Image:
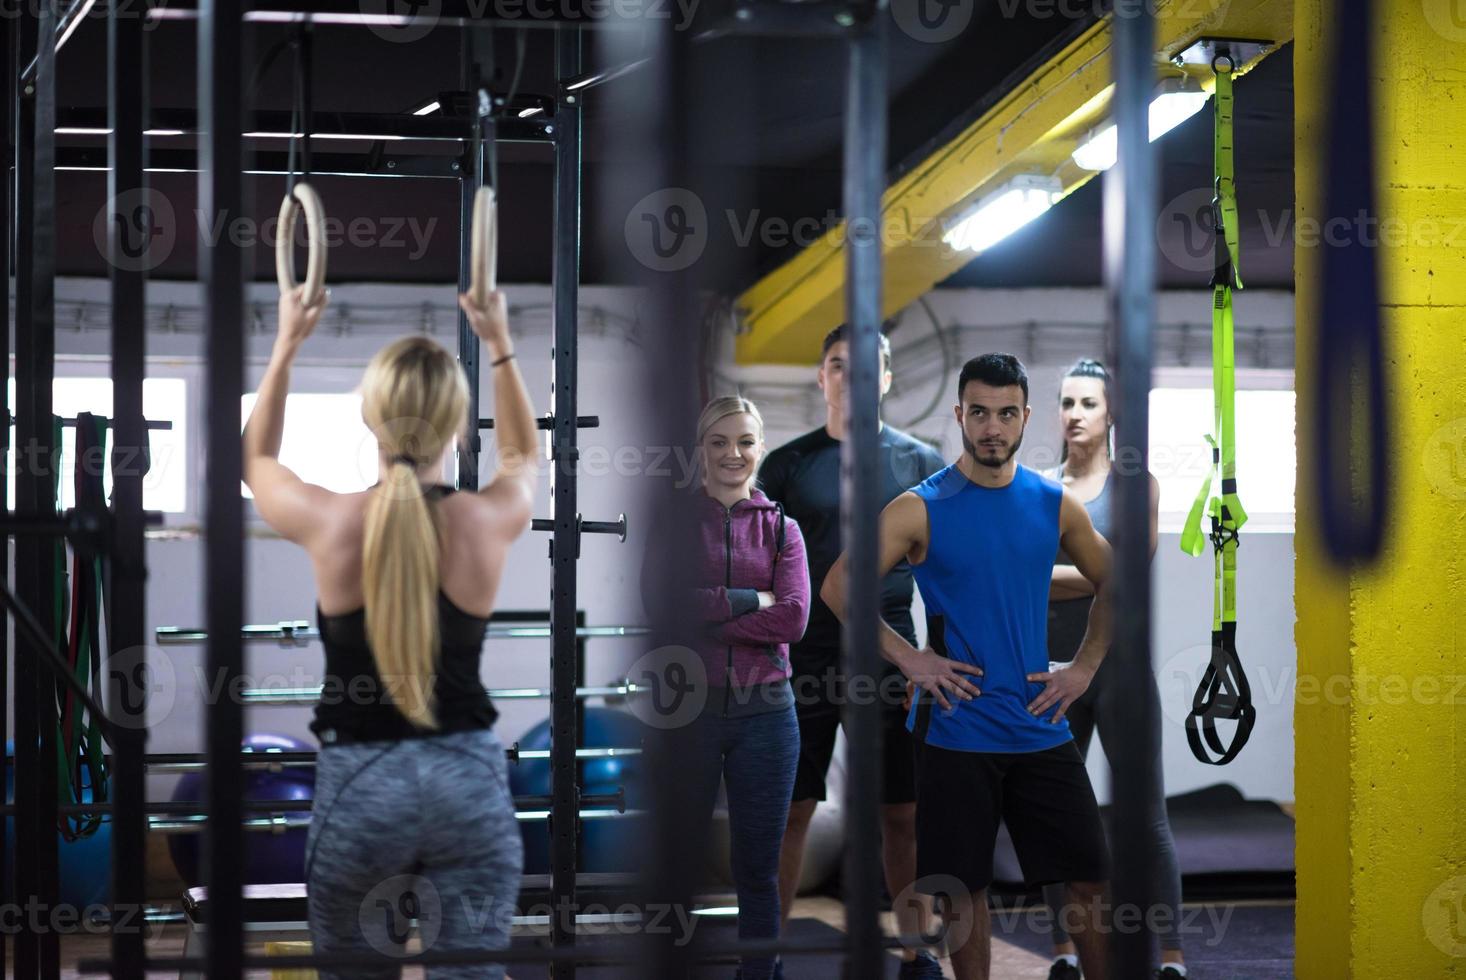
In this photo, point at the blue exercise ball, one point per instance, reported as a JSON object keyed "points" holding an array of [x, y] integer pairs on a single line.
{"points": [[606, 846], [269, 857], [85, 863]]}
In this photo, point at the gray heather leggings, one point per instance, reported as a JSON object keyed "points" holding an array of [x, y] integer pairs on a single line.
{"points": [[1103, 708], [414, 829]]}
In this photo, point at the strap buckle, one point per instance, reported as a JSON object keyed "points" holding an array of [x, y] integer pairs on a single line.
{"points": [[1223, 534]]}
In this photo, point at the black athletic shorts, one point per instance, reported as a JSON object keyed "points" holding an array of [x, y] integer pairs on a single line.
{"points": [[817, 701], [1044, 797]]}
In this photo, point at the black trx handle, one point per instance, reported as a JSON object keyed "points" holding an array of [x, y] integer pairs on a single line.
{"points": [[1222, 695]]}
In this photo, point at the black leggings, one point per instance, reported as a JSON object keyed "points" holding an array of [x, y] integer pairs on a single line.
{"points": [[1104, 709]]}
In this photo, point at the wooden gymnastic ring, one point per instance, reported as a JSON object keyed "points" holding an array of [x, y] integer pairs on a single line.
{"points": [[483, 248], [302, 198]]}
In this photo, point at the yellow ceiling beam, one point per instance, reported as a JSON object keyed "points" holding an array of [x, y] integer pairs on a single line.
{"points": [[1031, 130]]}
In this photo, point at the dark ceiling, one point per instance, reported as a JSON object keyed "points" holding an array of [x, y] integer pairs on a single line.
{"points": [[767, 134]]}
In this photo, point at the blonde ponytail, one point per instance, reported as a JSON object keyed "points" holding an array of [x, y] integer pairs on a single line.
{"points": [[400, 581], [414, 398]]}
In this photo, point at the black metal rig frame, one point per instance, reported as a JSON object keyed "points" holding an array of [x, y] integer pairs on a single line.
{"points": [[221, 162]]}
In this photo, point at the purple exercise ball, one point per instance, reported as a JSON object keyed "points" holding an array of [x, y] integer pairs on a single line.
{"points": [[269, 857]]}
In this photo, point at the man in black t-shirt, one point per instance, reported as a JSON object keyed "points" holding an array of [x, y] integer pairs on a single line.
{"points": [[804, 476]]}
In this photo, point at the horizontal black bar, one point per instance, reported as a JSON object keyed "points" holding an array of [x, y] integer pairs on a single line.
{"points": [[813, 18], [605, 527], [511, 127], [299, 634], [195, 808], [448, 13], [329, 164], [277, 760], [547, 422], [154, 424], [616, 527], [302, 758], [71, 523], [589, 952]]}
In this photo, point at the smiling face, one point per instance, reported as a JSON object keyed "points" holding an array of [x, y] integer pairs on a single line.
{"points": [[732, 448], [1084, 413], [992, 421]]}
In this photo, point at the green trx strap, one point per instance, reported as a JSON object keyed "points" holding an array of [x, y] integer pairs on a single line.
{"points": [[1223, 694]]}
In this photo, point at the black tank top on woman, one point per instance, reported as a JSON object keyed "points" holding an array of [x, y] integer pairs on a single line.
{"points": [[354, 705]]}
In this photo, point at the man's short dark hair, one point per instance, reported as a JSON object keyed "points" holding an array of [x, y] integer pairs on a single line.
{"points": [[842, 332], [996, 370]]}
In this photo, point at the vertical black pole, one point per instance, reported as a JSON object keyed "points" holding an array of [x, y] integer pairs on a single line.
{"points": [[35, 720], [126, 567], [221, 199], [565, 544], [471, 178], [865, 172], [678, 826], [1129, 261], [6, 419], [579, 721], [27, 943]]}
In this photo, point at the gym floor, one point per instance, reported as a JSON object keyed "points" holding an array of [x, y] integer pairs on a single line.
{"points": [[1255, 944]]}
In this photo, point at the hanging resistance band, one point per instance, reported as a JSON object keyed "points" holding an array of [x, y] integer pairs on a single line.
{"points": [[1223, 694], [1350, 410], [81, 767]]}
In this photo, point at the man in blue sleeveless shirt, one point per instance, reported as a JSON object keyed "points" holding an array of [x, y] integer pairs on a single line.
{"points": [[981, 537]]}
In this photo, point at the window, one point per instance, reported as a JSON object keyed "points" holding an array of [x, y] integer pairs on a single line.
{"points": [[1267, 461], [325, 442], [165, 487]]}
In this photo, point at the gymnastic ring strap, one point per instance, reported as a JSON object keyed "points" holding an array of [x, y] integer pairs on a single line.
{"points": [[1222, 695], [302, 198], [484, 248]]}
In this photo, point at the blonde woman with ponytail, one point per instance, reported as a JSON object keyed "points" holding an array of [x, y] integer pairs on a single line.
{"points": [[411, 789]]}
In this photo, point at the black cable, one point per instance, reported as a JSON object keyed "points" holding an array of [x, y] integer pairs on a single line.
{"points": [[948, 366], [521, 40], [266, 61]]}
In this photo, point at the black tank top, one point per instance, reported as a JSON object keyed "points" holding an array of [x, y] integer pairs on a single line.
{"points": [[354, 705]]}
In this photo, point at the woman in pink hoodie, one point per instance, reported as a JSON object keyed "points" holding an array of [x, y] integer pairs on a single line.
{"points": [[753, 599]]}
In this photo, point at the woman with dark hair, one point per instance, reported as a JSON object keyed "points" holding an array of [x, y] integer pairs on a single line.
{"points": [[411, 791], [1086, 466]]}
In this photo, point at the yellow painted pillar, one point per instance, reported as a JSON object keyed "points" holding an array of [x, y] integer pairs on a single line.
{"points": [[1380, 713]]}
